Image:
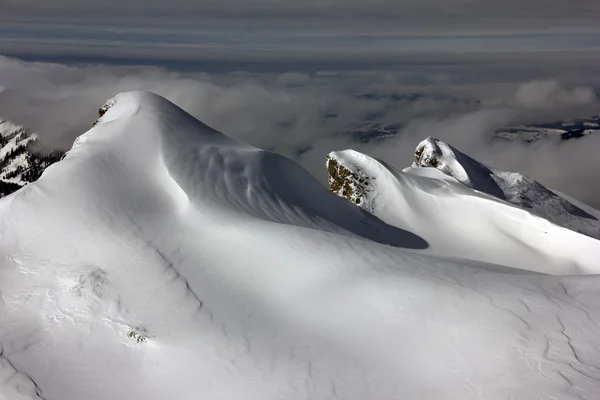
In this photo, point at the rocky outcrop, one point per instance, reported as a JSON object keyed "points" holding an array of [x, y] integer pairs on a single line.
{"points": [[347, 181]]}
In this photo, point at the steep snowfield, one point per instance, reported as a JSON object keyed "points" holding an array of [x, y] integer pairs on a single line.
{"points": [[162, 260]]}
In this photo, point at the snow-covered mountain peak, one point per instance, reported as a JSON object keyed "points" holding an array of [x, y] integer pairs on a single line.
{"points": [[432, 152], [513, 187], [162, 259], [447, 188], [206, 169]]}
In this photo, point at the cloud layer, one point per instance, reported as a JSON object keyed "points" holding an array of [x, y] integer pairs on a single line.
{"points": [[305, 114]]}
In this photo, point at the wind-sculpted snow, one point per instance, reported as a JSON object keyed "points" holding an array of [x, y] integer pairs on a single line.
{"points": [[215, 172], [513, 187], [435, 153], [459, 222], [162, 260]]}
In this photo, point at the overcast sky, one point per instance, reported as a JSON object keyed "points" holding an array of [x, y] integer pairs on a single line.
{"points": [[408, 16], [320, 29]]}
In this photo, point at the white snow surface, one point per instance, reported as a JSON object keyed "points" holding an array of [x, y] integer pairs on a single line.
{"points": [[513, 187], [162, 260], [458, 221]]}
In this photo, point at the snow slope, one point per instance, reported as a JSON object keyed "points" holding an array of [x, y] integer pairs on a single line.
{"points": [[458, 221], [513, 187], [162, 260]]}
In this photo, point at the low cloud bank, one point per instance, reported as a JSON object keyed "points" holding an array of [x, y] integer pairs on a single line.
{"points": [[305, 115]]}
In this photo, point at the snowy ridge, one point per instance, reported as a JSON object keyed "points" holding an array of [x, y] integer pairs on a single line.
{"points": [[457, 221], [513, 187], [228, 176], [435, 153], [566, 130], [161, 259]]}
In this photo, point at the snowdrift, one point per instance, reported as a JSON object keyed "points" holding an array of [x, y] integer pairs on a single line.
{"points": [[162, 260]]}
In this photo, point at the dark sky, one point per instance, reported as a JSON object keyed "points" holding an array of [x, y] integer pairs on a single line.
{"points": [[409, 16], [293, 29]]}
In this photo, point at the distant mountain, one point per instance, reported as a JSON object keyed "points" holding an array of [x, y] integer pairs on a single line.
{"points": [[566, 130], [368, 131], [370, 128], [20, 164]]}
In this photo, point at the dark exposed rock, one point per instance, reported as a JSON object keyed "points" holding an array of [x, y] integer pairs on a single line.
{"points": [[353, 186]]}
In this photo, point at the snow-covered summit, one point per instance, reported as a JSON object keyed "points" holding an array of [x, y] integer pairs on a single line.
{"points": [[456, 220], [161, 259], [513, 187], [213, 171]]}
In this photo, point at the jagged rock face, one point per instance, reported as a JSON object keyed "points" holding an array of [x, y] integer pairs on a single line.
{"points": [[19, 163], [347, 181]]}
